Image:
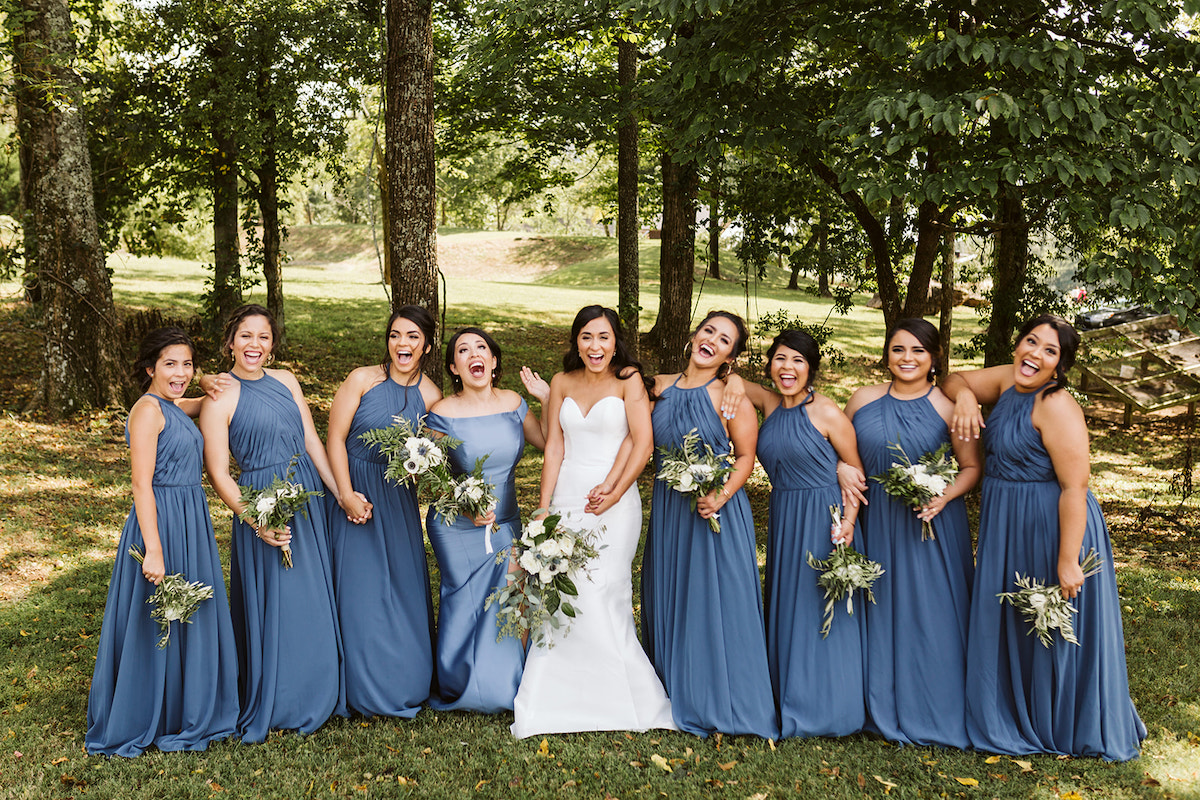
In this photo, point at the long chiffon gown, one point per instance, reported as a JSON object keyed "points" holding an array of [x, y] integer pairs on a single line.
{"points": [[380, 576], [289, 647], [818, 681], [1023, 697], [474, 671], [916, 632], [183, 696], [596, 677], [702, 613]]}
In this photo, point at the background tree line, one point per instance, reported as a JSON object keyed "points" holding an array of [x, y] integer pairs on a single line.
{"points": [[852, 141]]}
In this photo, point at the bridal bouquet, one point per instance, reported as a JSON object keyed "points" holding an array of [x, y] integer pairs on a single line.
{"points": [[175, 599], [845, 570], [415, 457], [1044, 607], [550, 556], [275, 504], [917, 484], [693, 471]]}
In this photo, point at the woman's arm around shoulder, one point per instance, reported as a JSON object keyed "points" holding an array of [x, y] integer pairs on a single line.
{"points": [[970, 388], [835, 426], [743, 434]]}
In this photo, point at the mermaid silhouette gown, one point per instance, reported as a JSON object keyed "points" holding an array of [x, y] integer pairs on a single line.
{"points": [[183, 696], [1021, 696], [596, 677], [380, 575], [289, 646], [916, 632], [702, 614], [474, 671], [818, 681]]}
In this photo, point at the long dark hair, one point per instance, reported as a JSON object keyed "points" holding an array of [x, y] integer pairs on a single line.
{"points": [[739, 346], [456, 380], [153, 343], [423, 320], [1068, 345], [925, 333], [238, 317], [803, 344], [621, 360]]}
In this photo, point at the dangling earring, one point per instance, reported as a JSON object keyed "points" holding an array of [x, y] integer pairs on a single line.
{"points": [[270, 359], [687, 351]]}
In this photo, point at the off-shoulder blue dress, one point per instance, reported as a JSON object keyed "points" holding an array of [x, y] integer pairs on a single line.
{"points": [[1023, 697], [702, 613], [184, 696], [818, 681], [380, 575], [916, 632], [289, 647], [474, 671]]}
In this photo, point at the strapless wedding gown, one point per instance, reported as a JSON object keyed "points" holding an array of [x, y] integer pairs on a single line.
{"points": [[597, 677]]}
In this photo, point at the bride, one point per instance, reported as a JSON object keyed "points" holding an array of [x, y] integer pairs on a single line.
{"points": [[597, 677]]}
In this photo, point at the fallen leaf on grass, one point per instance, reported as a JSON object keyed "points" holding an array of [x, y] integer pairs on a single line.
{"points": [[1072, 795], [58, 761], [727, 766], [427, 751], [216, 787], [403, 781], [481, 784], [544, 748], [1026, 766], [71, 780], [661, 763], [887, 785], [997, 777], [17, 754], [568, 785], [758, 796], [992, 760], [1150, 781], [862, 782], [771, 743], [967, 781], [636, 764]]}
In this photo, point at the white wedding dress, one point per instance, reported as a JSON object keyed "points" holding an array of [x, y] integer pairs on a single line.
{"points": [[597, 677]]}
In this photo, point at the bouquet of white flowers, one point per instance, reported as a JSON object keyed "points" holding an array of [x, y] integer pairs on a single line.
{"points": [[468, 494], [917, 484], [1044, 607], [175, 599], [691, 470], [845, 570], [418, 458], [275, 504], [550, 556]]}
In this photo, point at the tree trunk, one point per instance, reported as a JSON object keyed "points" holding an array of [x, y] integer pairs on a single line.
{"points": [[82, 357], [1008, 275], [677, 264], [628, 223], [268, 208], [823, 260], [797, 259], [946, 320], [26, 100], [714, 237], [929, 243], [412, 178], [227, 278]]}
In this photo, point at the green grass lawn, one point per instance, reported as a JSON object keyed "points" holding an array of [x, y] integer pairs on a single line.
{"points": [[64, 491]]}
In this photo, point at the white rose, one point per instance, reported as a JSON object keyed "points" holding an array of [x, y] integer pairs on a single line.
{"points": [[567, 547], [529, 562], [412, 445], [1038, 600], [686, 483], [265, 505], [549, 549]]}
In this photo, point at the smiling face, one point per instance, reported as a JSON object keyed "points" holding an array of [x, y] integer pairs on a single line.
{"points": [[596, 344], [713, 344], [252, 343], [1036, 357], [908, 360], [406, 344], [172, 372], [789, 372], [473, 361]]}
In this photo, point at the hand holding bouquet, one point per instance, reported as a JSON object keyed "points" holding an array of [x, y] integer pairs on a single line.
{"points": [[550, 557], [845, 570], [695, 472], [175, 599], [417, 458], [917, 484], [275, 504], [1044, 607]]}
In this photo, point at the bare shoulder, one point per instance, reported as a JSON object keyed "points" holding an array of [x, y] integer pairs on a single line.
{"points": [[1058, 407], [509, 400], [824, 408], [864, 395], [942, 404], [285, 377], [661, 382], [146, 411]]}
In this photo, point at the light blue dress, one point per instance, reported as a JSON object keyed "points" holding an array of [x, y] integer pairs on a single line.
{"points": [[702, 613], [380, 576], [818, 681], [1021, 696], [289, 647], [916, 641], [184, 696], [474, 671]]}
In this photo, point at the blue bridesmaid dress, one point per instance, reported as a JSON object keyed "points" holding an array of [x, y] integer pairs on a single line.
{"points": [[916, 632], [380, 575], [289, 647], [702, 613], [184, 696], [818, 681], [1023, 697], [474, 671]]}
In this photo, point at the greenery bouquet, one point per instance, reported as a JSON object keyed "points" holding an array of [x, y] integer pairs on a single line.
{"points": [[695, 471], [175, 599], [915, 484], [1044, 608], [275, 504]]}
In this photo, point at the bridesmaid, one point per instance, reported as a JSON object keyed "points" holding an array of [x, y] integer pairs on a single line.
{"points": [[917, 629], [289, 648], [702, 614], [474, 671], [380, 575], [1037, 517], [183, 696], [818, 681]]}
